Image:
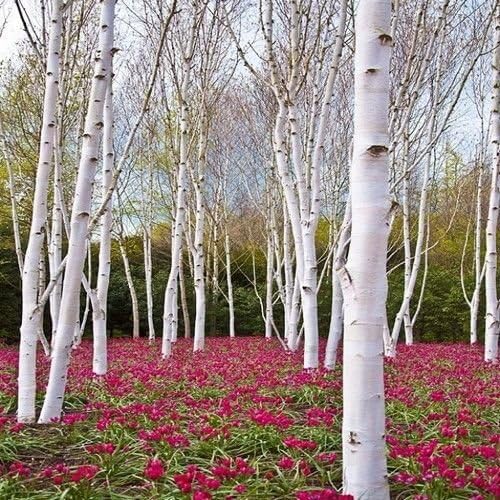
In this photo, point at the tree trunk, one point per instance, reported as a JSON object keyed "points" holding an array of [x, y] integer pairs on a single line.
{"points": [[30, 320], [474, 305], [411, 281], [337, 312], [170, 306], [269, 286], [229, 278], [184, 302], [133, 293], [55, 248], [336, 323], [100, 363], [197, 248], [364, 279], [492, 326], [199, 272], [148, 262], [13, 202], [52, 405]]}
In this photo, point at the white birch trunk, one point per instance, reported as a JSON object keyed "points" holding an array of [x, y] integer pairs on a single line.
{"points": [[13, 202], [52, 405], [474, 303], [41, 287], [407, 241], [81, 325], [337, 311], [99, 316], [55, 247], [148, 272], [30, 320], [492, 326], [269, 281], [364, 279], [291, 316], [132, 291], [184, 304], [197, 249], [336, 324], [411, 281], [175, 310], [148, 262], [170, 304], [229, 280]]}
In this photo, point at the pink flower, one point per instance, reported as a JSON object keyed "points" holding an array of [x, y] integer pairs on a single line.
{"points": [[299, 444], [101, 448], [19, 469], [84, 472], [405, 477], [154, 469], [326, 494], [327, 458], [304, 468], [240, 488], [202, 495], [286, 463]]}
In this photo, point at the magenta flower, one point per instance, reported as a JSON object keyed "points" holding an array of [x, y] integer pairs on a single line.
{"points": [[154, 469]]}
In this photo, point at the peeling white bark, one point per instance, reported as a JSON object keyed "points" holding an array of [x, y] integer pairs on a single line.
{"points": [[363, 279], [170, 304], [30, 320], [492, 327], [99, 316], [132, 291], [53, 402]]}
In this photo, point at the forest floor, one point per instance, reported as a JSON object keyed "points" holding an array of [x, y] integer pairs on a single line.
{"points": [[244, 421]]}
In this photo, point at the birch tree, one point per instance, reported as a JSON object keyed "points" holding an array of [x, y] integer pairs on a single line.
{"points": [[186, 47], [492, 327], [301, 185], [80, 218], [30, 320], [100, 364], [363, 277]]}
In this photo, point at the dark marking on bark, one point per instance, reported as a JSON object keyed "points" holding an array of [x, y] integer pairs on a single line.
{"points": [[377, 150], [385, 39]]}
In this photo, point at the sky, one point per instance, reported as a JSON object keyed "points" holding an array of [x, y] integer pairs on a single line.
{"points": [[12, 32]]}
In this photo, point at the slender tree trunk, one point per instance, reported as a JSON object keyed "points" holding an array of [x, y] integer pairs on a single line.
{"points": [[41, 287], [30, 320], [337, 312], [492, 326], [199, 271], [291, 313], [175, 311], [148, 272], [52, 406], [407, 240], [170, 307], [197, 248], [229, 279], [336, 324], [55, 247], [13, 202], [269, 288], [148, 261], [100, 362], [81, 325], [474, 306], [131, 288], [184, 303], [364, 279], [411, 281]]}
